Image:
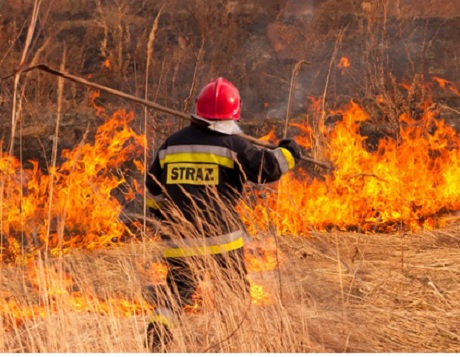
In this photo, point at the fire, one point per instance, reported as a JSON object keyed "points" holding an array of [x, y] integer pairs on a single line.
{"points": [[445, 84], [405, 86], [73, 205], [305, 139], [93, 96], [315, 104], [107, 64], [344, 62], [270, 137], [55, 289], [406, 182], [203, 298], [16, 311], [155, 272], [263, 256], [259, 295]]}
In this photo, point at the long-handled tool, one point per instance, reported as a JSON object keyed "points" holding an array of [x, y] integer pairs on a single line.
{"points": [[191, 118]]}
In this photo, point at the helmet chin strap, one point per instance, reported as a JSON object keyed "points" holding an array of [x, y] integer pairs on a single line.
{"points": [[229, 127]]}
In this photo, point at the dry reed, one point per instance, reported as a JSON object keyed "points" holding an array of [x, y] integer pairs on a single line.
{"points": [[378, 307]]}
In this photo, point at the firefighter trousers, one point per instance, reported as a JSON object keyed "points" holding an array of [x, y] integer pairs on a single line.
{"points": [[184, 275]]}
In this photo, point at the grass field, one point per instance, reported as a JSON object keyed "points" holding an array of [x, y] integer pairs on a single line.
{"points": [[334, 292]]}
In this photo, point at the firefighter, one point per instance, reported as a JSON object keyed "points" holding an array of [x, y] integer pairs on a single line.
{"points": [[195, 182]]}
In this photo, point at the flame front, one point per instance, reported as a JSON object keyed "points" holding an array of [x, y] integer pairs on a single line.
{"points": [[445, 84], [406, 182], [56, 293], [73, 205], [344, 62]]}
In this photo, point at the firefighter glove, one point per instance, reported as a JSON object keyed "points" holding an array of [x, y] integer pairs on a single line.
{"points": [[293, 147]]}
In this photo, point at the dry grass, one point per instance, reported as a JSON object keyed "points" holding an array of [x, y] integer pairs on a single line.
{"points": [[387, 293]]}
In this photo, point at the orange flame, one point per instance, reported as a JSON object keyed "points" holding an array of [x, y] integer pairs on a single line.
{"points": [[405, 182], [93, 95], [404, 85], [259, 295], [316, 103], [270, 137], [262, 256], [156, 271], [107, 64], [445, 84], [55, 290], [344, 62], [81, 210]]}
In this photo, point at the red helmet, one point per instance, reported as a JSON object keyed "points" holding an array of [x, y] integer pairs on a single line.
{"points": [[219, 100]]}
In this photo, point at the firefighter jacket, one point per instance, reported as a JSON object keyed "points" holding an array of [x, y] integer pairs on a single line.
{"points": [[196, 180]]}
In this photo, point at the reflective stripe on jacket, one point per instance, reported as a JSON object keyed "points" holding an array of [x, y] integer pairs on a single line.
{"points": [[210, 245], [164, 316]]}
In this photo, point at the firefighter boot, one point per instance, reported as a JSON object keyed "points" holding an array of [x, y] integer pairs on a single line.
{"points": [[159, 336]]}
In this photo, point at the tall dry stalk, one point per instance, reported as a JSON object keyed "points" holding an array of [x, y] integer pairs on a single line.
{"points": [[150, 43], [60, 85], [339, 269], [15, 111], [295, 73], [320, 142], [199, 58], [25, 51]]}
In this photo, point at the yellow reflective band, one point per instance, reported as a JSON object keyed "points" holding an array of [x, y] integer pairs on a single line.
{"points": [[289, 158], [207, 250], [152, 204], [198, 157], [193, 174], [161, 319]]}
